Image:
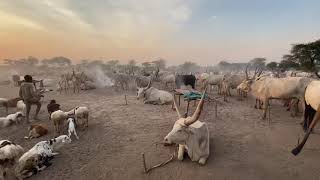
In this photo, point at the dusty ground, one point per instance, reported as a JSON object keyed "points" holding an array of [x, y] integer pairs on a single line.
{"points": [[241, 145]]}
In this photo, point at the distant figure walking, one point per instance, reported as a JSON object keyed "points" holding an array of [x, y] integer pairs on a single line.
{"points": [[30, 96]]}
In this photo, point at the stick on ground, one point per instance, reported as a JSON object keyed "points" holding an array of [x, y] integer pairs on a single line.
{"points": [[146, 170]]}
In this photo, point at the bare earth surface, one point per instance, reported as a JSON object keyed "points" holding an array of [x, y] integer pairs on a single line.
{"points": [[242, 146]]}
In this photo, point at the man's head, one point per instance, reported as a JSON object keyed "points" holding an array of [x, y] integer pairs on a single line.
{"points": [[28, 78], [53, 101]]}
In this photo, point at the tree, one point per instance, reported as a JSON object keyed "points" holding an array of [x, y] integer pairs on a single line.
{"points": [[132, 62], [223, 64], [288, 62], [113, 63], [32, 61], [272, 65], [59, 61], [188, 67], [8, 61], [258, 62], [132, 66], [307, 56], [161, 63]]}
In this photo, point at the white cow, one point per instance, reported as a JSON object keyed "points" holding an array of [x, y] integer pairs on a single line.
{"points": [[191, 135], [154, 96]]}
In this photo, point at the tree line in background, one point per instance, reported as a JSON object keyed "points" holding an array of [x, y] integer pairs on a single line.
{"points": [[305, 57]]}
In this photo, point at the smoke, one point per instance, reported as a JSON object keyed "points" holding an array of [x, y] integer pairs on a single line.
{"points": [[99, 78]]}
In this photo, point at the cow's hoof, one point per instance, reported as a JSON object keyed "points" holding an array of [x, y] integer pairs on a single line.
{"points": [[202, 161]]}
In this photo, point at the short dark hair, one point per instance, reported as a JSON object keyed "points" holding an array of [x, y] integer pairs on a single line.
{"points": [[52, 101], [28, 78]]}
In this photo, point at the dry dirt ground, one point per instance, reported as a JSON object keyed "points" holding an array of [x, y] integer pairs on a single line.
{"points": [[242, 146]]}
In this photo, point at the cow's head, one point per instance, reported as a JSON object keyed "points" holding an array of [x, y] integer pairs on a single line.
{"points": [[246, 84], [142, 91], [181, 131]]}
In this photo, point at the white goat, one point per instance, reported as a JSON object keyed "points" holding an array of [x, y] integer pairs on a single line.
{"points": [[72, 128], [58, 117], [21, 107], [9, 154], [37, 158], [11, 118], [82, 113]]}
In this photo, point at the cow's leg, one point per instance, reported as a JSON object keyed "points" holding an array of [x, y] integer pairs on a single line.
{"points": [[181, 152], [255, 106], [265, 108]]}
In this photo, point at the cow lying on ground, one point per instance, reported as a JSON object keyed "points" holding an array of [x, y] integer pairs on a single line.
{"points": [[191, 135], [152, 95]]}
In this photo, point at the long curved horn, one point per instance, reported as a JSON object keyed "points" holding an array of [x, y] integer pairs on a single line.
{"points": [[149, 85], [197, 113], [260, 72], [255, 73], [176, 107]]}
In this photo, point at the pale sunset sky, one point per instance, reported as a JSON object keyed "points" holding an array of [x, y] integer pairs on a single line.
{"points": [[204, 31]]}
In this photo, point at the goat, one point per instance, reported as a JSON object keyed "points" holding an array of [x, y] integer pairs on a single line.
{"points": [[81, 113], [36, 131], [58, 117], [21, 107], [9, 154], [72, 128], [11, 118], [37, 158]]}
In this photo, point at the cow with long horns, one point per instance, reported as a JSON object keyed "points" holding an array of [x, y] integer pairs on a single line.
{"points": [[153, 95], [191, 134], [311, 113]]}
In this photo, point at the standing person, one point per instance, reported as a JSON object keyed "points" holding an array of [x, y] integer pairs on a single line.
{"points": [[30, 97]]}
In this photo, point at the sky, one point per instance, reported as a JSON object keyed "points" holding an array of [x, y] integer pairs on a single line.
{"points": [[203, 31]]}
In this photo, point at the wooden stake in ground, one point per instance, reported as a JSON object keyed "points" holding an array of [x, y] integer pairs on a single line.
{"points": [[269, 114], [146, 170], [144, 164], [216, 109], [125, 97]]}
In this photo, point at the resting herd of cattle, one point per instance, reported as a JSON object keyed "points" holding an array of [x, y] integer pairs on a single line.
{"points": [[189, 132]]}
